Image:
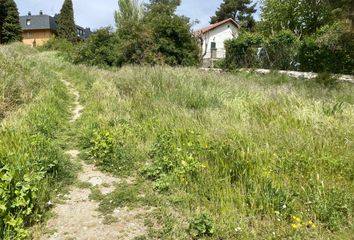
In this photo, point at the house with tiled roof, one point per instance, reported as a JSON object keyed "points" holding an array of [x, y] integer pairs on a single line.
{"points": [[211, 39], [38, 29]]}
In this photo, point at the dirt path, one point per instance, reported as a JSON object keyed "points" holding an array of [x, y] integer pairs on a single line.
{"points": [[77, 217]]}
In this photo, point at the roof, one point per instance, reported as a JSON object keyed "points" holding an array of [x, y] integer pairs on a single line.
{"points": [[38, 22], [216, 25]]}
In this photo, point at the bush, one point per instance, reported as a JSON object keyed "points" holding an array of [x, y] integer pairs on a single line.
{"points": [[201, 226], [331, 50], [58, 44], [32, 164], [98, 49], [281, 50], [242, 52]]}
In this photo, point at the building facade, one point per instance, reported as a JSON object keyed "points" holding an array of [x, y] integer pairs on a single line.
{"points": [[212, 40], [38, 29]]}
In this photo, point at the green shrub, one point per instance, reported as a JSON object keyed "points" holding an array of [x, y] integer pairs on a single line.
{"points": [[32, 164], [242, 51], [99, 49], [201, 226], [112, 150], [57, 44], [281, 50], [331, 50]]}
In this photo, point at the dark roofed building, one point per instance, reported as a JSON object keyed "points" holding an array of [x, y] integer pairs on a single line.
{"points": [[38, 29]]}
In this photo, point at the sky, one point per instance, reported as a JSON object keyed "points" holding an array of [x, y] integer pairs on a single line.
{"points": [[96, 14]]}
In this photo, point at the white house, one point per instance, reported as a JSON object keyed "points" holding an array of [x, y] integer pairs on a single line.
{"points": [[211, 39]]}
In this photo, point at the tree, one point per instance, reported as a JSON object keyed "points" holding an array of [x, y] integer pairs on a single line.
{"points": [[239, 10], [10, 28], [135, 40], [66, 22], [171, 33], [2, 16], [303, 17]]}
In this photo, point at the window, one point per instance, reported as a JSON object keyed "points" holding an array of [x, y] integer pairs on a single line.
{"points": [[213, 45], [29, 34], [28, 22]]}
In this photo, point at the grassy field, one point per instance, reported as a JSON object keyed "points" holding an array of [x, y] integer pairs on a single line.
{"points": [[33, 110], [217, 156]]}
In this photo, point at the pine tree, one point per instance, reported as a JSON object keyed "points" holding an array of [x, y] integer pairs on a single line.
{"points": [[239, 10], [66, 22], [10, 28]]}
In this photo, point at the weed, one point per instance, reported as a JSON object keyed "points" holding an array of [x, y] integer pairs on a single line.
{"points": [[201, 226]]}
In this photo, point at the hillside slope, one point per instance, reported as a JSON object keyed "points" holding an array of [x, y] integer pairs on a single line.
{"points": [[215, 156]]}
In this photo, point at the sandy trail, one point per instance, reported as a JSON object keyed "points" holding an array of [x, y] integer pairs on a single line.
{"points": [[77, 217]]}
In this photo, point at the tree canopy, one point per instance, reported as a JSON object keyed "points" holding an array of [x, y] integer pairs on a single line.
{"points": [[10, 28], [303, 17], [239, 10], [66, 22], [154, 34]]}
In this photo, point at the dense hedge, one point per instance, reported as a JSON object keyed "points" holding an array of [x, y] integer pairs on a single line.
{"points": [[331, 49], [334, 54]]}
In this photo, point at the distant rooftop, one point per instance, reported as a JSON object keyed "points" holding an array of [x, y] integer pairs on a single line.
{"points": [[43, 21]]}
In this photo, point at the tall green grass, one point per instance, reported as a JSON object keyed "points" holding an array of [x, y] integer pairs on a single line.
{"points": [[235, 156], [259, 156], [32, 164]]}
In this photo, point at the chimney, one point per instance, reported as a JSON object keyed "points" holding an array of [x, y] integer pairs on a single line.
{"points": [[29, 13], [40, 12]]}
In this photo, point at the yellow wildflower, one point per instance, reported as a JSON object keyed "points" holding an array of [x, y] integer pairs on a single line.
{"points": [[311, 224], [296, 226], [297, 219]]}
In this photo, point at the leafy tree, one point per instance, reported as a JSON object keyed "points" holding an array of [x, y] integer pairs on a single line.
{"points": [[239, 10], [172, 34], [66, 22], [2, 16], [98, 49], [10, 28], [304, 17], [135, 38]]}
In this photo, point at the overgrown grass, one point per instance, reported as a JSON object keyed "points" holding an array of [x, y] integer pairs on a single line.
{"points": [[229, 156], [32, 165], [256, 156]]}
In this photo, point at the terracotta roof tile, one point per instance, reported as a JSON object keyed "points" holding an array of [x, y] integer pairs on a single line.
{"points": [[213, 26]]}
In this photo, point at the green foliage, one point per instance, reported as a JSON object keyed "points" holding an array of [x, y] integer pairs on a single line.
{"points": [[301, 17], [330, 51], [201, 226], [111, 151], [239, 10], [326, 79], [99, 49], [31, 163], [280, 51], [57, 44], [66, 22], [155, 36], [254, 153], [10, 28], [242, 51], [176, 158], [64, 47]]}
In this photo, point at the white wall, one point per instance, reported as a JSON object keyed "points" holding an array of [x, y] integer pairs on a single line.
{"points": [[218, 35]]}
